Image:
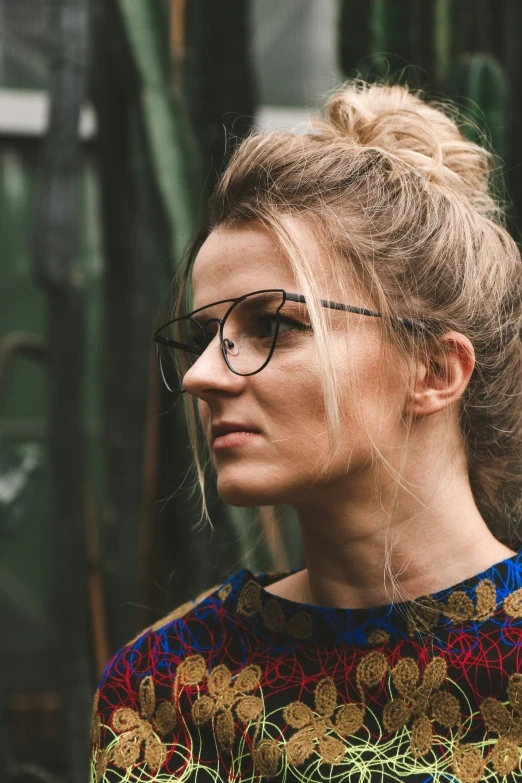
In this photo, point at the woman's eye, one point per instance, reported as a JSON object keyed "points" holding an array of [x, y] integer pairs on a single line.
{"points": [[286, 326], [268, 325]]}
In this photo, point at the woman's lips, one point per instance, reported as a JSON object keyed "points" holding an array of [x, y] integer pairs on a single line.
{"points": [[233, 440]]}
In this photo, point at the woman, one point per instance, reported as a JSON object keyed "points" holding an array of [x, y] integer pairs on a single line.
{"points": [[352, 350]]}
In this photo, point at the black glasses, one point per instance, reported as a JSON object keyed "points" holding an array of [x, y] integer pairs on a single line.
{"points": [[248, 333]]}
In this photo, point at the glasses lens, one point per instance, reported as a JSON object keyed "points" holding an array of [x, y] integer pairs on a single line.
{"points": [[187, 338], [250, 331]]}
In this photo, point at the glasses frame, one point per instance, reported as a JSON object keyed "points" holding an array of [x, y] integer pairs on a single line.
{"points": [[286, 297]]}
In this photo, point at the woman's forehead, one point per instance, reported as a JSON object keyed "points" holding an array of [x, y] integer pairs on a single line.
{"points": [[235, 261]]}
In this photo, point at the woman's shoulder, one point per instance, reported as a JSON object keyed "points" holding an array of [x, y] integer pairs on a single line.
{"points": [[181, 612], [135, 695], [163, 634]]}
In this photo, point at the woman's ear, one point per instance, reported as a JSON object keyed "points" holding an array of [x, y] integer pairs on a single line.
{"points": [[443, 375]]}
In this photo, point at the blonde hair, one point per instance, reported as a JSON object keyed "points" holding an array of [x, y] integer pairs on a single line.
{"points": [[403, 201]]}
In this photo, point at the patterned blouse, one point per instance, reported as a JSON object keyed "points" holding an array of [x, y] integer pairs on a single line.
{"points": [[241, 685]]}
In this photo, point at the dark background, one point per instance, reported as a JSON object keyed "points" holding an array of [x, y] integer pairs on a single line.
{"points": [[116, 117]]}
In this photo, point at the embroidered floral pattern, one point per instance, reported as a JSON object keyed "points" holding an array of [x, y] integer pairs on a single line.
{"points": [[414, 699], [314, 728], [226, 696], [273, 707], [513, 604], [458, 608], [507, 723], [378, 637], [139, 730], [299, 625]]}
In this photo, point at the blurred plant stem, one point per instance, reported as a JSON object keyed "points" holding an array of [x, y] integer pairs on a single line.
{"points": [[138, 241]]}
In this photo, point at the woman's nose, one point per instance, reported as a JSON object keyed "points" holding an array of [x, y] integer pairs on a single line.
{"points": [[211, 373]]}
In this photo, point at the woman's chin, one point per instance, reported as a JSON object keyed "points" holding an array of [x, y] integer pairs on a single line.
{"points": [[247, 493], [241, 496]]}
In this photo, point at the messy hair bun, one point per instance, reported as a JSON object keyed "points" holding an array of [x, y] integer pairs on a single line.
{"points": [[392, 119], [404, 201]]}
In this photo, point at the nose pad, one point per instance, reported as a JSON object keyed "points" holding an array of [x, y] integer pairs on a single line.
{"points": [[231, 347]]}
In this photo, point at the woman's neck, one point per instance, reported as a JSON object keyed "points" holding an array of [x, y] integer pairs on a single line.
{"points": [[358, 555]]}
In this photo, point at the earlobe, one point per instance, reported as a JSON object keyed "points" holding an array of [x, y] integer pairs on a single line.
{"points": [[443, 375]]}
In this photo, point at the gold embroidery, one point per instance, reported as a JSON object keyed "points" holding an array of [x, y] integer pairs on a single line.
{"points": [[414, 702], [102, 761], [176, 614], [95, 721], [420, 701], [299, 625], [459, 608], [313, 728], [250, 599], [273, 616], [181, 611], [495, 715], [468, 763], [515, 692], [147, 698], [371, 670], [486, 593], [513, 604], [445, 709], [192, 670], [138, 730], [378, 637], [225, 592], [224, 697], [507, 724], [267, 758], [423, 615], [421, 736], [505, 756]]}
